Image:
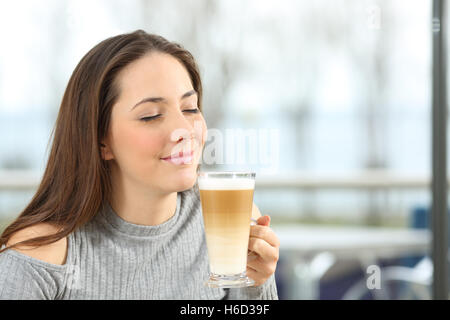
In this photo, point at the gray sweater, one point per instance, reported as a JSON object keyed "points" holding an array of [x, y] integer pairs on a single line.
{"points": [[109, 258]]}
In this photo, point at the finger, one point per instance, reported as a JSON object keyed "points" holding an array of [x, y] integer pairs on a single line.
{"points": [[263, 221], [263, 249], [265, 233], [251, 256], [265, 269], [254, 275]]}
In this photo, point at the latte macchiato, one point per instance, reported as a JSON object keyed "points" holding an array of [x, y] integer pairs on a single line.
{"points": [[227, 209]]}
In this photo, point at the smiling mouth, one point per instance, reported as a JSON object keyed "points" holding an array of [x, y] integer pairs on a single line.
{"points": [[180, 158]]}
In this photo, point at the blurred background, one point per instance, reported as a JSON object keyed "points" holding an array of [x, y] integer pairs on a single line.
{"points": [[337, 95]]}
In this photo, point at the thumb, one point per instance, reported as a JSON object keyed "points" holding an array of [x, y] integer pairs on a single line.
{"points": [[264, 221]]}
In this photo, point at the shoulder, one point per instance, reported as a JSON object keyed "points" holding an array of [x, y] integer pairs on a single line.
{"points": [[54, 253]]}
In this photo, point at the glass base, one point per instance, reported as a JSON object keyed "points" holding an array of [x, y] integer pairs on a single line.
{"points": [[229, 281]]}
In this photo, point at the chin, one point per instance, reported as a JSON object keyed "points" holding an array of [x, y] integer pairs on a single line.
{"points": [[183, 181]]}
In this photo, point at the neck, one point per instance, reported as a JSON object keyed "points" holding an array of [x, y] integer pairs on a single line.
{"points": [[142, 206]]}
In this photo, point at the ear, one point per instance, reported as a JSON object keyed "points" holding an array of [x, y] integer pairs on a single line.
{"points": [[106, 152]]}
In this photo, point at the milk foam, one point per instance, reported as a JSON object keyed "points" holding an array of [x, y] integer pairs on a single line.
{"points": [[226, 184]]}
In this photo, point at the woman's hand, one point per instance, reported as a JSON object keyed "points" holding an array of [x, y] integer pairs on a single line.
{"points": [[263, 253]]}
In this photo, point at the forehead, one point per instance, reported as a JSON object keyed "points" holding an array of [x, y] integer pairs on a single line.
{"points": [[154, 74]]}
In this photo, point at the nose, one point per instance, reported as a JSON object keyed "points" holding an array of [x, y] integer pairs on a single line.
{"points": [[182, 129], [182, 132], [182, 137]]}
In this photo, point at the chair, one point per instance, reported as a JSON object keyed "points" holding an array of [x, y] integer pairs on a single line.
{"points": [[412, 280], [397, 283]]}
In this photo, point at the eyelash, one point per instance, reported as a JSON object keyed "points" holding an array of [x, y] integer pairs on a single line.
{"points": [[146, 119]]}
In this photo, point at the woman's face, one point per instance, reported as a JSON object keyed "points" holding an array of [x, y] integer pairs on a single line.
{"points": [[157, 85]]}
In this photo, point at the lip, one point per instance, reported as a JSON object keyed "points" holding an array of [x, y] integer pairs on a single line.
{"points": [[179, 155], [180, 158]]}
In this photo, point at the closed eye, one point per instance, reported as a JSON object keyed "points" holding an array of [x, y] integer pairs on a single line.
{"points": [[192, 110], [146, 119]]}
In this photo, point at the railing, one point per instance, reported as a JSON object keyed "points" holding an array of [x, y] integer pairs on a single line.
{"points": [[20, 180], [368, 179]]}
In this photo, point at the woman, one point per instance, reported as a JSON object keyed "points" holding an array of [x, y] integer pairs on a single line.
{"points": [[115, 216]]}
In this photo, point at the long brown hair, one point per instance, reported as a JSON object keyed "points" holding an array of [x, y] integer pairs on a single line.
{"points": [[76, 183]]}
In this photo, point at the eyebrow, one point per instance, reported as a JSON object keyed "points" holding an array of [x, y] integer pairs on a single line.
{"points": [[163, 100]]}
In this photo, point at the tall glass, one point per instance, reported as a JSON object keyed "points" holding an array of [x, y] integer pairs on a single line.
{"points": [[227, 201]]}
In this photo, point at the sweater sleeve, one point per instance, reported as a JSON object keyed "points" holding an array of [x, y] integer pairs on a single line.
{"points": [[23, 279], [266, 291]]}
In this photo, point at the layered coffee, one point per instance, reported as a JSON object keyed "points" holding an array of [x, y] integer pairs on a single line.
{"points": [[227, 209]]}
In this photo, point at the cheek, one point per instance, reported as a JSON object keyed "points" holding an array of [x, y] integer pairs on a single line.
{"points": [[205, 133], [201, 130], [150, 145], [136, 145]]}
